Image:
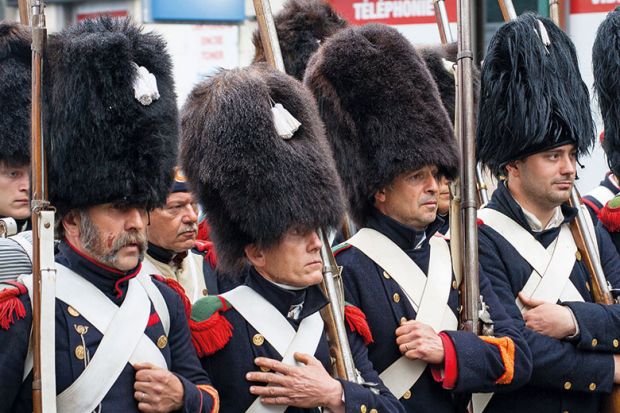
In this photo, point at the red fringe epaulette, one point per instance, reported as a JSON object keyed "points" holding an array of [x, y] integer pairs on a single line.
{"points": [[209, 249], [11, 307], [204, 231], [212, 333], [357, 322], [610, 215]]}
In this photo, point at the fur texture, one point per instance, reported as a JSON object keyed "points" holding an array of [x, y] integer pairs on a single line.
{"points": [[15, 92], [302, 25], [433, 57], [253, 184], [382, 111], [532, 97], [105, 145], [606, 65]]}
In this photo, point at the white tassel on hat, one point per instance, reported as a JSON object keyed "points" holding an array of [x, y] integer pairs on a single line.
{"points": [[145, 86], [285, 123]]}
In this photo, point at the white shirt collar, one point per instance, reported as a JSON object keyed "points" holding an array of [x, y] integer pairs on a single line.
{"points": [[536, 225]]}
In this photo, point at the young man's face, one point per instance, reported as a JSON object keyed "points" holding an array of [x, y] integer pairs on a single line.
{"points": [[113, 236], [14, 191], [174, 226], [546, 178], [294, 261], [411, 198]]}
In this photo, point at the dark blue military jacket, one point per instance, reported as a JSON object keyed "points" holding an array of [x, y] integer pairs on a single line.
{"points": [[16, 396], [569, 375], [593, 204], [227, 367], [384, 303]]}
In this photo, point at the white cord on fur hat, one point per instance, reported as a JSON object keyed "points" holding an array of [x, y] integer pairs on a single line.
{"points": [[145, 86]]}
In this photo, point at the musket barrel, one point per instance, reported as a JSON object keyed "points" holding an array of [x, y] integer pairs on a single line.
{"points": [[268, 34], [443, 24], [508, 10], [470, 316]]}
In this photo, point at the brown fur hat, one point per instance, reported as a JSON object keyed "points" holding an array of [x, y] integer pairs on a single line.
{"points": [[382, 111], [253, 184], [302, 25]]}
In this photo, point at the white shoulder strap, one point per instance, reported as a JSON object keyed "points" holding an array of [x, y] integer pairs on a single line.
{"points": [[428, 295], [158, 300], [268, 321], [602, 194], [121, 339]]}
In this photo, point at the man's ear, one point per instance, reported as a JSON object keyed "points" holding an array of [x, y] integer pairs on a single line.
{"points": [[255, 255], [380, 196], [71, 224], [513, 169]]}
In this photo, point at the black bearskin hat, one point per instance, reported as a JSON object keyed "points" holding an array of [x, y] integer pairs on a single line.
{"points": [[532, 97], [436, 57], [253, 184], [15, 92], [382, 111], [105, 145], [606, 66], [302, 25]]}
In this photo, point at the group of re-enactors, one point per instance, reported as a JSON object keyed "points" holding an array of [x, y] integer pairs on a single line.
{"points": [[188, 242]]}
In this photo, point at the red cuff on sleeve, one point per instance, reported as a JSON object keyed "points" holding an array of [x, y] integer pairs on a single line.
{"points": [[448, 373]]}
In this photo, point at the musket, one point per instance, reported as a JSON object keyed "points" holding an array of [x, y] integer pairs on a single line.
{"points": [[333, 313], [601, 291], [43, 271], [445, 34], [470, 315]]}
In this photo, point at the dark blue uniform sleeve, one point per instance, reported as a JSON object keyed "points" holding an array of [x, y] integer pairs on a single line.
{"points": [[599, 325], [556, 364], [14, 344], [199, 394], [359, 398], [494, 365]]}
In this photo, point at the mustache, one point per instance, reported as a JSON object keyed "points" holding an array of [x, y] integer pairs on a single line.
{"points": [[127, 238], [428, 198], [188, 228]]}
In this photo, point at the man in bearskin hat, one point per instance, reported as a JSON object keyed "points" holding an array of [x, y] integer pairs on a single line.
{"points": [[534, 122], [15, 58], [122, 337], [393, 141], [15, 75], [301, 25], [603, 201], [173, 250], [254, 150]]}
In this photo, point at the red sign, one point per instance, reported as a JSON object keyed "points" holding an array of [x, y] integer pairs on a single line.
{"points": [[593, 6], [390, 11], [111, 13]]}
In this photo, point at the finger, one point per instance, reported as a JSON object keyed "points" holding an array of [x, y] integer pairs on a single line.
{"points": [[144, 366], [280, 401], [269, 391], [269, 378], [530, 302], [275, 365], [414, 335], [406, 347], [406, 328], [306, 359]]}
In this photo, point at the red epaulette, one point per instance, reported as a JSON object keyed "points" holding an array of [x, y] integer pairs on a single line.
{"points": [[211, 331], [11, 307], [357, 322], [209, 249], [479, 222], [610, 215]]}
